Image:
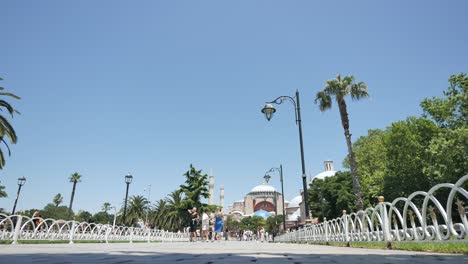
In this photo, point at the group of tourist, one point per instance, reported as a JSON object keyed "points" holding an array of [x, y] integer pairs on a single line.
{"points": [[211, 225]]}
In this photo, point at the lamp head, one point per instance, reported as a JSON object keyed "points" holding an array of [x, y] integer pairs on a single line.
{"points": [[128, 178], [268, 110], [21, 181], [267, 178]]}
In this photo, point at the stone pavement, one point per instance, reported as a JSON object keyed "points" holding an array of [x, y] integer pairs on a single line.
{"points": [[211, 253]]}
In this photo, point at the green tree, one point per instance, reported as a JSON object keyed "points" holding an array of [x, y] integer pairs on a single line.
{"points": [[252, 223], [195, 188], [407, 143], [103, 218], [106, 207], [3, 192], [84, 216], [231, 224], [74, 178], [330, 196], [58, 199], [137, 207], [370, 152], [448, 156], [54, 212], [158, 214], [340, 88], [176, 215], [452, 109], [6, 129], [273, 223]]}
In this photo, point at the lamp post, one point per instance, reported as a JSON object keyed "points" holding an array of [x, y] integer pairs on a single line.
{"points": [[128, 180], [280, 170], [149, 194], [269, 110], [21, 182]]}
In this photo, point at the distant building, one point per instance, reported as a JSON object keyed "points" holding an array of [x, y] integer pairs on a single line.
{"points": [[265, 201]]}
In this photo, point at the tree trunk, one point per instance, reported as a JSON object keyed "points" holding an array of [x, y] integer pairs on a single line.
{"points": [[352, 160], [71, 200]]}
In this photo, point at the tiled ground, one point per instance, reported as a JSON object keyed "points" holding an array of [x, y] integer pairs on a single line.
{"points": [[211, 253]]}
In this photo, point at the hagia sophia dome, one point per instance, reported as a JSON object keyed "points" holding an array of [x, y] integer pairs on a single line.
{"points": [[263, 189]]}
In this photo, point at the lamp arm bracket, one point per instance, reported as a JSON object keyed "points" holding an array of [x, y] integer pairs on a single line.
{"points": [[283, 98]]}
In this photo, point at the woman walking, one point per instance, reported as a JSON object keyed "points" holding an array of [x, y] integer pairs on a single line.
{"points": [[218, 226]]}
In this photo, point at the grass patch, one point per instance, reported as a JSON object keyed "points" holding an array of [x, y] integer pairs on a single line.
{"points": [[460, 247]]}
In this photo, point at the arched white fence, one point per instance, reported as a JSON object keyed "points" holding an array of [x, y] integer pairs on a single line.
{"points": [[18, 227], [401, 220]]}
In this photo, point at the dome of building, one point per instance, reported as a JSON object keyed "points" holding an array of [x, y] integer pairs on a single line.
{"points": [[329, 171], [263, 188], [296, 201], [325, 174]]}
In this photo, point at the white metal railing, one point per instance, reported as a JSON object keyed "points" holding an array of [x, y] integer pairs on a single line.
{"points": [[430, 221], [18, 227]]}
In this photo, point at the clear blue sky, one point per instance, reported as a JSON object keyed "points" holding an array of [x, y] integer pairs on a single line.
{"points": [[148, 87]]}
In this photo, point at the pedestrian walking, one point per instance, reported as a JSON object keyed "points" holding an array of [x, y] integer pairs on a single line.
{"points": [[218, 226], [194, 218]]}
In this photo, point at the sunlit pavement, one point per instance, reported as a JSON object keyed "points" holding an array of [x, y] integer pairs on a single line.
{"points": [[212, 252]]}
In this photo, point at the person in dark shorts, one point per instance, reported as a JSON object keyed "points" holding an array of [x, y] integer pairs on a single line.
{"points": [[193, 223]]}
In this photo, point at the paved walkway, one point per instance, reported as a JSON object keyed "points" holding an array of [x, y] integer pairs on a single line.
{"points": [[211, 253]]}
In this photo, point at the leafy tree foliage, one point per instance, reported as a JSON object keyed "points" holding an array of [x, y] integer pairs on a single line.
{"points": [[52, 211], [330, 196], [6, 129], [406, 156], [102, 218], [452, 109], [84, 216], [195, 188], [231, 224], [339, 88], [252, 223], [273, 223]]}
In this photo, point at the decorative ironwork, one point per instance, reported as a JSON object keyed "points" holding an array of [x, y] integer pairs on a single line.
{"points": [[18, 227], [428, 222]]}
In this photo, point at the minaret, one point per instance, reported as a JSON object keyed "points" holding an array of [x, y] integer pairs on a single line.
{"points": [[221, 197], [329, 165], [211, 199]]}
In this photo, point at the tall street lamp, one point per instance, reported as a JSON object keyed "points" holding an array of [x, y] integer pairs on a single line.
{"points": [[280, 170], [21, 182], [269, 110], [128, 180]]}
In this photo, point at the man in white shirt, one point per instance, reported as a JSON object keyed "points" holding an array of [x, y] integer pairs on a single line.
{"points": [[205, 224]]}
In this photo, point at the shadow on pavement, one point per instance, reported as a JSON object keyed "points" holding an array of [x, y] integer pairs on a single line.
{"points": [[207, 258]]}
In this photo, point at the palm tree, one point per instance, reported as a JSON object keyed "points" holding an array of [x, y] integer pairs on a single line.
{"points": [[74, 178], [6, 129], [137, 207], [58, 199], [340, 88], [106, 207], [175, 216], [2, 191], [158, 214]]}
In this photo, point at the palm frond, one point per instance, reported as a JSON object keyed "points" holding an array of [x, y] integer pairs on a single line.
{"points": [[323, 100], [6, 105], [359, 90], [7, 130], [10, 95]]}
